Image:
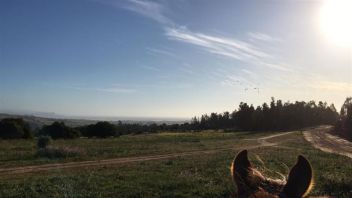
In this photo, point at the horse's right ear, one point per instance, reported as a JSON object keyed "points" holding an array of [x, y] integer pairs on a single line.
{"points": [[299, 180]]}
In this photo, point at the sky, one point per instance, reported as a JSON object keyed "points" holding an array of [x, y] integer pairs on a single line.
{"points": [[143, 58]]}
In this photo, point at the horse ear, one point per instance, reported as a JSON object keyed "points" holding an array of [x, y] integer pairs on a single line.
{"points": [[299, 179], [240, 165]]}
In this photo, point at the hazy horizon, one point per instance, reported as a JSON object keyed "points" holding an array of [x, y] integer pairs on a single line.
{"points": [[171, 59], [54, 115], [122, 117]]}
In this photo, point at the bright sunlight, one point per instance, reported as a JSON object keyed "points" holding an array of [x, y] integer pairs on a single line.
{"points": [[336, 21]]}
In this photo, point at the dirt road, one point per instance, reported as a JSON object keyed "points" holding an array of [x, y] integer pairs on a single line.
{"points": [[46, 167], [318, 137], [260, 142], [321, 139]]}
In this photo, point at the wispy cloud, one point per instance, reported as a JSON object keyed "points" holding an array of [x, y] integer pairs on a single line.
{"points": [[160, 51], [150, 9], [186, 68], [249, 73], [112, 89], [233, 48], [150, 68], [227, 78], [277, 66], [262, 37], [236, 81], [228, 47]]}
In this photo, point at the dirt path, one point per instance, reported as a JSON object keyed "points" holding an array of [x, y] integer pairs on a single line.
{"points": [[263, 141], [321, 139], [318, 137], [46, 167], [260, 142]]}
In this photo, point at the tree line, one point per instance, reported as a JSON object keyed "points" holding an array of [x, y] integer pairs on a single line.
{"points": [[273, 116], [343, 126]]}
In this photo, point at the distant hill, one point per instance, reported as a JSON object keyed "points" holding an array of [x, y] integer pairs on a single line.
{"points": [[37, 122]]}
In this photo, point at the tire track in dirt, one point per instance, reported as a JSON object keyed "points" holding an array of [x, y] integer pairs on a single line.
{"points": [[47, 167], [263, 141], [321, 139], [260, 142]]}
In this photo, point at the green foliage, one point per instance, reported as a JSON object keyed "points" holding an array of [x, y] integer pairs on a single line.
{"points": [[43, 142], [54, 152], [14, 128], [100, 130], [59, 130], [276, 116], [344, 125]]}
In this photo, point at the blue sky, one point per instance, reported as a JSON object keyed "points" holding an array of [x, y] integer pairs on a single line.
{"points": [[165, 58]]}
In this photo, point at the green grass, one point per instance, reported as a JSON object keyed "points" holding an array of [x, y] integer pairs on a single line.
{"points": [[23, 152], [203, 175]]}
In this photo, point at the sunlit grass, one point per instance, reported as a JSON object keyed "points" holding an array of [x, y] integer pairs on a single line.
{"points": [[201, 175]]}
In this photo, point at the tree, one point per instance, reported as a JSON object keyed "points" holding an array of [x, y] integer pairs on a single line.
{"points": [[58, 130], [275, 116], [244, 116], [344, 125], [12, 128], [101, 130], [43, 142]]}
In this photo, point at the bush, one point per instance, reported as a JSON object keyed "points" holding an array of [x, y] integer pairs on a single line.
{"points": [[100, 130], [55, 152], [43, 142], [14, 128], [59, 130]]}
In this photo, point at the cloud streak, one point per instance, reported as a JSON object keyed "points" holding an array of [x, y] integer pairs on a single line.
{"points": [[222, 46], [227, 47], [262, 37], [150, 68], [231, 48], [113, 89], [149, 9], [160, 51]]}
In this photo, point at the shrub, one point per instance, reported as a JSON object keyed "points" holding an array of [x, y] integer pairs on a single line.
{"points": [[13, 128], [43, 142], [56, 152], [100, 130], [59, 130]]}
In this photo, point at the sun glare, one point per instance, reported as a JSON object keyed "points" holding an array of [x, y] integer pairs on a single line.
{"points": [[336, 21]]}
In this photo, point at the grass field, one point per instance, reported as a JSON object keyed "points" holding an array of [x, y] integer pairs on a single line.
{"points": [[198, 175]]}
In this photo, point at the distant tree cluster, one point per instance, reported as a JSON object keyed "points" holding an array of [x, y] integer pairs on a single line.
{"points": [[58, 130], [344, 124], [274, 116], [100, 130], [14, 128]]}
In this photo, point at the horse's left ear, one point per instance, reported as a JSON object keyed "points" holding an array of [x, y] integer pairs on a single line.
{"points": [[240, 164], [299, 179], [240, 170]]}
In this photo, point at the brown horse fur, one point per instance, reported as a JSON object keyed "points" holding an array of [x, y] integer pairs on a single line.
{"points": [[252, 184]]}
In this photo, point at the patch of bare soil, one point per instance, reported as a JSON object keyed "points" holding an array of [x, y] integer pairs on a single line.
{"points": [[321, 138]]}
